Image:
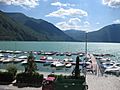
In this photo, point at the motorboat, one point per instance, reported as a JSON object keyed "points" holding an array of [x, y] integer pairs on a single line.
{"points": [[68, 65], [22, 57], [1, 55], [113, 68], [43, 58], [16, 60], [7, 60], [17, 52], [68, 60], [24, 62], [107, 64], [105, 60], [57, 64], [49, 58]]}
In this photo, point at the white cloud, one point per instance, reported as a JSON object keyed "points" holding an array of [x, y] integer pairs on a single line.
{"points": [[58, 4], [22, 3], [86, 23], [112, 3], [67, 26], [97, 23], [67, 12], [117, 21], [74, 23], [62, 4], [74, 20]]}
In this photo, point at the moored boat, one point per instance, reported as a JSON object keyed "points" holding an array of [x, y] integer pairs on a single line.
{"points": [[68, 65], [57, 64]]}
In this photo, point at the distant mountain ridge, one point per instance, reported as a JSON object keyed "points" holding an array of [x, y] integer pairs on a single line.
{"points": [[23, 28], [110, 33], [76, 34], [19, 27]]}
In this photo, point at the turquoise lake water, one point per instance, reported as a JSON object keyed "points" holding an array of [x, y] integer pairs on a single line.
{"points": [[99, 48]]}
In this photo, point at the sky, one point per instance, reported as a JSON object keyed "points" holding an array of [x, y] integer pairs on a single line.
{"points": [[86, 15]]}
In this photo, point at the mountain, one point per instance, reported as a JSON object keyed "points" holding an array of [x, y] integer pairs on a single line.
{"points": [[110, 33], [17, 26], [76, 34], [12, 30], [41, 27]]}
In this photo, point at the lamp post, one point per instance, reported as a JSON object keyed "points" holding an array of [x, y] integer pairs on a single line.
{"points": [[85, 56]]}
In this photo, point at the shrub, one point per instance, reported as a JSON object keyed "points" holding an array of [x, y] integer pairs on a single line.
{"points": [[12, 69], [6, 77], [34, 78]]}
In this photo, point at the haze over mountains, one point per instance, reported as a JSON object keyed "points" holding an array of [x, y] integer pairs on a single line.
{"points": [[110, 33], [18, 27]]}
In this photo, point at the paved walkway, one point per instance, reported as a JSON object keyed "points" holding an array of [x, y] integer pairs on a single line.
{"points": [[103, 83], [95, 65]]}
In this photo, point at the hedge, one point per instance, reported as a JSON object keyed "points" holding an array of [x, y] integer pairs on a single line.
{"points": [[6, 77], [29, 79]]}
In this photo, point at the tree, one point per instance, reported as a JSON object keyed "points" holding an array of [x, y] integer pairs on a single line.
{"points": [[31, 65], [77, 70]]}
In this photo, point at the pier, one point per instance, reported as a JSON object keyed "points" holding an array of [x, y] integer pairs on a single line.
{"points": [[96, 65]]}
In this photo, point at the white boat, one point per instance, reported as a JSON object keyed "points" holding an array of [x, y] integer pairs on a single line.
{"points": [[105, 60], [7, 60], [68, 65], [68, 60], [107, 64], [113, 68], [1, 55], [17, 60], [9, 51], [22, 57], [24, 62], [17, 52], [57, 64], [49, 58], [1, 59], [117, 64]]}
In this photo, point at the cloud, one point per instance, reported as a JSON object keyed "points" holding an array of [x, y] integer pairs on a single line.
{"points": [[112, 3], [86, 23], [62, 4], [73, 23], [116, 21], [67, 12], [22, 3], [97, 23], [67, 26], [74, 20]]}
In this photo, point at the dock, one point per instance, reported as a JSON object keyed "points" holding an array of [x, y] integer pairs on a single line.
{"points": [[96, 66]]}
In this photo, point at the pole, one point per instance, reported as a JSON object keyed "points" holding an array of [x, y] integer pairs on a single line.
{"points": [[86, 44], [85, 56]]}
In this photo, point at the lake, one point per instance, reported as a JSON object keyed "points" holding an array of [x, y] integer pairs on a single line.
{"points": [[99, 48]]}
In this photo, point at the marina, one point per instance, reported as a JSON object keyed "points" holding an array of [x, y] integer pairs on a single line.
{"points": [[95, 64], [99, 66]]}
